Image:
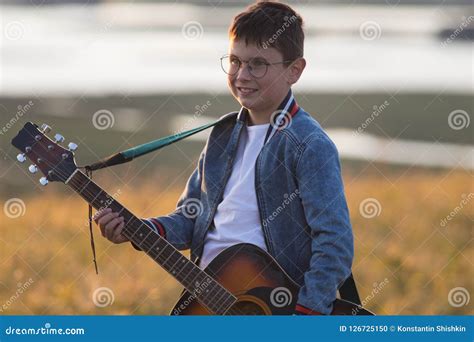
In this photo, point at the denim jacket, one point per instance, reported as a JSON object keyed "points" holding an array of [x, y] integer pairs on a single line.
{"points": [[300, 196]]}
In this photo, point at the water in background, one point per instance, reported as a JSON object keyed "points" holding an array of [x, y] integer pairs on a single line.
{"points": [[390, 83]]}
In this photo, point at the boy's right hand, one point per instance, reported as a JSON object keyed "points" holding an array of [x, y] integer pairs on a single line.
{"points": [[111, 225]]}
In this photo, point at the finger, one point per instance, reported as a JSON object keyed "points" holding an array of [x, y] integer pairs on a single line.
{"points": [[106, 219], [118, 237], [110, 227], [101, 213], [103, 221]]}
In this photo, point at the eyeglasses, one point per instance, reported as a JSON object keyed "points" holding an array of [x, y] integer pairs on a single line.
{"points": [[257, 66]]}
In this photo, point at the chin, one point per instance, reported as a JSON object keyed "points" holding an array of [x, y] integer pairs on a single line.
{"points": [[247, 103]]}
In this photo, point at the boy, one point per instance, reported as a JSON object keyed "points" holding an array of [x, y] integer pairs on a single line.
{"points": [[268, 175]]}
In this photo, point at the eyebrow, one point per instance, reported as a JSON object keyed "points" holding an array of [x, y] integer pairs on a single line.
{"points": [[253, 58]]}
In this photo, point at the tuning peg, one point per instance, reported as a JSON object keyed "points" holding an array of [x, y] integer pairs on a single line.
{"points": [[43, 181], [58, 138], [72, 146], [33, 168], [45, 128], [21, 157]]}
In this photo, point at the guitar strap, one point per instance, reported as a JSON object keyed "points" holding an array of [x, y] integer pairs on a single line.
{"points": [[348, 291]]}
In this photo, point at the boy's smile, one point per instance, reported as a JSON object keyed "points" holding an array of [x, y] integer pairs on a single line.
{"points": [[262, 95]]}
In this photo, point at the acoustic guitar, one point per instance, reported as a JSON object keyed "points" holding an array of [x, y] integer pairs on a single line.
{"points": [[241, 280]]}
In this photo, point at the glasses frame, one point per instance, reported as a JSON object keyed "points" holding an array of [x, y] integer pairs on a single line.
{"points": [[267, 64]]}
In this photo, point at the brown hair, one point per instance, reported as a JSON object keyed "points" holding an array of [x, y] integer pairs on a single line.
{"points": [[270, 24]]}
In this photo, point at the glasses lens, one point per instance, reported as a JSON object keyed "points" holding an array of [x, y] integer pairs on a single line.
{"points": [[258, 68], [230, 65]]}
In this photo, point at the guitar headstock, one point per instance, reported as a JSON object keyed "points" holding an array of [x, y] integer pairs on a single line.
{"points": [[54, 161]]}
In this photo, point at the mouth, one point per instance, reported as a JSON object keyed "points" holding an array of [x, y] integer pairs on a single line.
{"points": [[246, 91]]}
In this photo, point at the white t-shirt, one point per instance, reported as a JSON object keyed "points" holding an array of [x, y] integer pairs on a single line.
{"points": [[237, 218]]}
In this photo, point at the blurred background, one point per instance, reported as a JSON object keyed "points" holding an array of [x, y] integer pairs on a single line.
{"points": [[391, 82]]}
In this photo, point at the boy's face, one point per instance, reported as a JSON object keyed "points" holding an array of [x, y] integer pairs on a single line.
{"points": [[260, 95]]}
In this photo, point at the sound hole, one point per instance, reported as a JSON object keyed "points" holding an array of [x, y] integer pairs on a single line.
{"points": [[246, 308]]}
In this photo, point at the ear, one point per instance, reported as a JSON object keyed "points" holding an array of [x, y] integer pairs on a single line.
{"points": [[295, 70]]}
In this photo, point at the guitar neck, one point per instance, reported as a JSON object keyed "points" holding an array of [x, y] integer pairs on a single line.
{"points": [[206, 289]]}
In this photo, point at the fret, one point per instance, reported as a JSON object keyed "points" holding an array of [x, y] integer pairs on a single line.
{"points": [[172, 260], [225, 304], [188, 273], [152, 246], [146, 236], [172, 270], [196, 281], [219, 295]]}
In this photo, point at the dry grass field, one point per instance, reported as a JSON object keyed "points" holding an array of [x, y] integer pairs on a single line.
{"points": [[407, 260]]}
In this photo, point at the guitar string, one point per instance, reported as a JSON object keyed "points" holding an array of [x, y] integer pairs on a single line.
{"points": [[215, 283], [64, 175], [216, 286], [132, 221]]}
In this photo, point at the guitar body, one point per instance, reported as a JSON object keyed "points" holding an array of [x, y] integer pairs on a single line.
{"points": [[261, 286], [241, 280]]}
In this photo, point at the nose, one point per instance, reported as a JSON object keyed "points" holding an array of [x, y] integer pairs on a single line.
{"points": [[243, 74]]}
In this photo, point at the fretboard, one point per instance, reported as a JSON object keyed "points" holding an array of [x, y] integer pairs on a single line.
{"points": [[200, 284]]}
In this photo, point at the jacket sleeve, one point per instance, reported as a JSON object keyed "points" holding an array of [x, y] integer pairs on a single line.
{"points": [[318, 174], [178, 226]]}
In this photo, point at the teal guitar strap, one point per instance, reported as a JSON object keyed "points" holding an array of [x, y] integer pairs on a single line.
{"points": [[140, 150]]}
